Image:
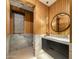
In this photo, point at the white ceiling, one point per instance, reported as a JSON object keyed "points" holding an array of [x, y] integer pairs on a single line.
{"points": [[50, 2]]}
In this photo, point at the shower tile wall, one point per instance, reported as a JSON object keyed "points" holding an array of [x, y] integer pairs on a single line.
{"points": [[7, 44], [18, 23], [19, 41]]}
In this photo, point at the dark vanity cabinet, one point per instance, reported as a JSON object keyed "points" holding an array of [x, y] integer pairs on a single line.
{"points": [[55, 49]]}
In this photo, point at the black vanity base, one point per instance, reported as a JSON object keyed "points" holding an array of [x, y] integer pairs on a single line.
{"points": [[55, 49]]}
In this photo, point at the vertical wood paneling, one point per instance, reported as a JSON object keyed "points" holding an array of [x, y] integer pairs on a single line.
{"points": [[28, 23], [8, 17], [71, 21], [41, 11], [11, 24], [40, 18], [59, 7]]}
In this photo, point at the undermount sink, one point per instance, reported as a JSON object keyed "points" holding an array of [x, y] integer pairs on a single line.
{"points": [[59, 39]]}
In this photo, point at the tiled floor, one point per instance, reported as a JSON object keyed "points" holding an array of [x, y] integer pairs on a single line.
{"points": [[44, 55], [27, 53]]}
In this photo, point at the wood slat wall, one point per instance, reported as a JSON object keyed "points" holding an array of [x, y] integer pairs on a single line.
{"points": [[28, 23], [59, 7], [40, 18], [42, 12], [8, 17], [28, 20]]}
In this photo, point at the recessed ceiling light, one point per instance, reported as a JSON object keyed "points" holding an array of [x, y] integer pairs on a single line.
{"points": [[47, 2]]}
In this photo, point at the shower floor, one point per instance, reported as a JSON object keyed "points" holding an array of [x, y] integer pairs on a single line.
{"points": [[24, 53]]}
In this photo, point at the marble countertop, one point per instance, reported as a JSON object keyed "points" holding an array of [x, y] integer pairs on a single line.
{"points": [[58, 39]]}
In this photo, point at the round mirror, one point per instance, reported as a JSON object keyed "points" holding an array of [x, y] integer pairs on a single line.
{"points": [[60, 22]]}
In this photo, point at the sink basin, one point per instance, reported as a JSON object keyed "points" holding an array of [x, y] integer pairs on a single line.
{"points": [[63, 40]]}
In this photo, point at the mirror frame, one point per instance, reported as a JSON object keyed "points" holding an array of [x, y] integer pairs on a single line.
{"points": [[57, 15]]}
